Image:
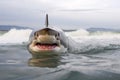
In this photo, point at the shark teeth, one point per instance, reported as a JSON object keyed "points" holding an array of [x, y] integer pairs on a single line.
{"points": [[46, 46]]}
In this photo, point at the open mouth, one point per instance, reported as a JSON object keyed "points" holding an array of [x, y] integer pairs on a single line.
{"points": [[47, 46]]}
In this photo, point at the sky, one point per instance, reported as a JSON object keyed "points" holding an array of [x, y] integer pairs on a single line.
{"points": [[62, 13]]}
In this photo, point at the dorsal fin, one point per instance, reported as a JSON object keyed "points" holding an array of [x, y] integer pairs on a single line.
{"points": [[46, 21]]}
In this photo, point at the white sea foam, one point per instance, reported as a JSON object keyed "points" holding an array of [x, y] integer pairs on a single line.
{"points": [[15, 36], [94, 40], [78, 33]]}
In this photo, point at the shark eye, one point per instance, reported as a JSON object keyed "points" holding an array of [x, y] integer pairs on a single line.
{"points": [[57, 36], [35, 34]]}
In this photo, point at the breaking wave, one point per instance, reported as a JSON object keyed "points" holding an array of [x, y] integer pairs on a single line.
{"points": [[95, 41], [15, 36]]}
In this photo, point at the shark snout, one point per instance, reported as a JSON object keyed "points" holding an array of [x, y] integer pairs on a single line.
{"points": [[46, 39]]}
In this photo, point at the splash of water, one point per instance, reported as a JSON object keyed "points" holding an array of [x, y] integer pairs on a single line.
{"points": [[15, 36], [99, 40]]}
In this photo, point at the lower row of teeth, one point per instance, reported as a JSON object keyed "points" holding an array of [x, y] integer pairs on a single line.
{"points": [[47, 47]]}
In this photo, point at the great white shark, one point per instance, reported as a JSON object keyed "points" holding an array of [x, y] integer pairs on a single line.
{"points": [[49, 41]]}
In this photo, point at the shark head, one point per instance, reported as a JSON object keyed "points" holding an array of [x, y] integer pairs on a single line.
{"points": [[46, 42]]}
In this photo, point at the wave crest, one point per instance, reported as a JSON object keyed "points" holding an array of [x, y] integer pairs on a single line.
{"points": [[94, 41], [15, 36]]}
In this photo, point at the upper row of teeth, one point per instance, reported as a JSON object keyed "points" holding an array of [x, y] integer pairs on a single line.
{"points": [[46, 43]]}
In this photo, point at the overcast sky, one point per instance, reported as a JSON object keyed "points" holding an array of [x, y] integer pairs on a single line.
{"points": [[62, 13]]}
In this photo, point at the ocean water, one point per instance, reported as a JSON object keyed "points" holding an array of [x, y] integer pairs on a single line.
{"points": [[98, 58]]}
